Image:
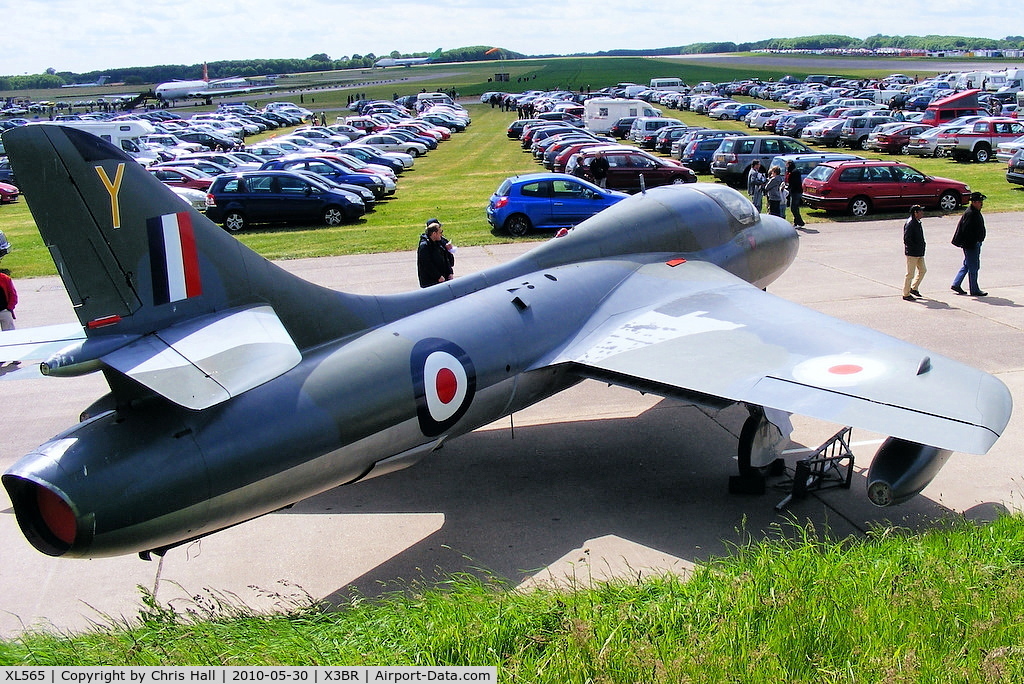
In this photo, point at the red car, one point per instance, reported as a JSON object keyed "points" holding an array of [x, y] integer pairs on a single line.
{"points": [[630, 170], [893, 137], [182, 177], [862, 186], [8, 193]]}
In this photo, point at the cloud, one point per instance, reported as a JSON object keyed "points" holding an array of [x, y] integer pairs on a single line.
{"points": [[70, 35]]}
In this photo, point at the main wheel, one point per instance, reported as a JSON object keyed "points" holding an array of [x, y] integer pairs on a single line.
{"points": [[517, 225], [949, 201], [757, 447], [333, 216], [234, 221], [860, 206]]}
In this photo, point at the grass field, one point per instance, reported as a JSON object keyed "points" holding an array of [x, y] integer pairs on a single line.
{"points": [[941, 606], [455, 181]]}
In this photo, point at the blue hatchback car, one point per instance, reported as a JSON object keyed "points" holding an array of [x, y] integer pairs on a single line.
{"points": [[546, 201]]}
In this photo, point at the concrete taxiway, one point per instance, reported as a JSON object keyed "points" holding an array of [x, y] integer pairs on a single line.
{"points": [[592, 483]]}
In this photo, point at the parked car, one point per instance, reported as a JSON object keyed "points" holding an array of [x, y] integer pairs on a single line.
{"points": [[823, 132], [731, 162], [620, 129], [925, 144], [680, 147], [860, 187], [668, 135], [331, 170], [977, 140], [8, 193], [807, 162], [856, 130], [1015, 168], [699, 152], [645, 129], [893, 138], [759, 118], [182, 177], [546, 201], [632, 170], [238, 200], [1006, 150], [6, 172], [391, 143]]}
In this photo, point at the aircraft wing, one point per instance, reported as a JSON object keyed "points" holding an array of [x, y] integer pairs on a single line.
{"points": [[694, 330]]}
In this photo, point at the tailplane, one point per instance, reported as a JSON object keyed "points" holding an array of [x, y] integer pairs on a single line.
{"points": [[147, 273]]}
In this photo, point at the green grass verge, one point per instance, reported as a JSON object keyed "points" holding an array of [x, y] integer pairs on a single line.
{"points": [[939, 606]]}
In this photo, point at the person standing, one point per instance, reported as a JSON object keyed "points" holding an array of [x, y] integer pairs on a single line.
{"points": [[795, 185], [435, 256], [970, 233], [755, 184], [599, 170], [775, 190], [8, 300], [913, 248]]}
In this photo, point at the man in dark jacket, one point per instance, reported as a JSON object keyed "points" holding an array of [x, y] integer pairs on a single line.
{"points": [[795, 186], [913, 248], [970, 233], [434, 259]]}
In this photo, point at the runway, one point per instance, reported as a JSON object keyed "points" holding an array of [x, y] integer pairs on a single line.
{"points": [[595, 482]]}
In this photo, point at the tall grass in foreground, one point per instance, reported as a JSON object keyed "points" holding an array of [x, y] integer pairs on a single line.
{"points": [[939, 606]]}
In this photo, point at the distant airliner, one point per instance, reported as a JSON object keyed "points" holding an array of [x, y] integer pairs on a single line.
{"points": [[180, 90], [407, 61]]}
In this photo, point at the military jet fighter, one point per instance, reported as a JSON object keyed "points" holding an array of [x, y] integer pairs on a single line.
{"points": [[237, 389]]}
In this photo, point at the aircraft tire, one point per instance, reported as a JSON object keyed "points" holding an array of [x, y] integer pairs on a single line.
{"points": [[754, 453]]}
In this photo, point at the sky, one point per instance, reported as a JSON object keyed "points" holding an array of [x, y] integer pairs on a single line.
{"points": [[80, 36]]}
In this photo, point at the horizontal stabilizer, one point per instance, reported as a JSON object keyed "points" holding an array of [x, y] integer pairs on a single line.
{"points": [[205, 361], [34, 344]]}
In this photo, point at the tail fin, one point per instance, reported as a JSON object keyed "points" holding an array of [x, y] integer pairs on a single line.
{"points": [[435, 55], [136, 260]]}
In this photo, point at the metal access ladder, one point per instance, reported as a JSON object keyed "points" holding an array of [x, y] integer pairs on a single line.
{"points": [[830, 466]]}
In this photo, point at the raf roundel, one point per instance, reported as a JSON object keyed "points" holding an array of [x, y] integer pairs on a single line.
{"points": [[841, 370], [444, 381]]}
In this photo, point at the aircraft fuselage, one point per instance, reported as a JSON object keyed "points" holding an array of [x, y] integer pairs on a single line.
{"points": [[154, 474]]}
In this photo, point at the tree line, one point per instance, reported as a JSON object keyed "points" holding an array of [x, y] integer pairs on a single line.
{"points": [[142, 76], [247, 68]]}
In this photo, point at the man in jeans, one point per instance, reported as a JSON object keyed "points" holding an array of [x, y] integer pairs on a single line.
{"points": [[970, 233], [913, 248]]}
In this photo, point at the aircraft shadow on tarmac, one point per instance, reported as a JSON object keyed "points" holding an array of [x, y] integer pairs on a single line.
{"points": [[513, 505]]}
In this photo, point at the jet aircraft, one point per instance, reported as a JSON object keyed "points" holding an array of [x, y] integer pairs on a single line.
{"points": [[204, 88], [237, 389], [407, 61]]}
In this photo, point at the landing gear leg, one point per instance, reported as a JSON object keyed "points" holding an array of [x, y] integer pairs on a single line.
{"points": [[758, 454]]}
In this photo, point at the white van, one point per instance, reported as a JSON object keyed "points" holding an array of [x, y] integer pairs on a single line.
{"points": [[124, 134], [1014, 81], [428, 99], [672, 84], [599, 113]]}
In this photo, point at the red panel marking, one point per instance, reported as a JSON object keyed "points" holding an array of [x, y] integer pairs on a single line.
{"points": [[845, 369], [675, 262], [447, 385]]}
